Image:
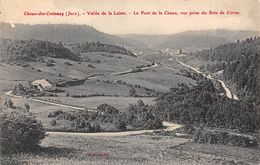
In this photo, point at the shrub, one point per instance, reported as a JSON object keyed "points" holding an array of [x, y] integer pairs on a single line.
{"points": [[80, 123], [27, 107], [55, 113], [68, 63], [53, 123], [132, 92], [49, 64], [120, 124], [20, 131], [96, 128], [91, 66], [222, 137], [140, 103], [108, 109], [8, 103]]}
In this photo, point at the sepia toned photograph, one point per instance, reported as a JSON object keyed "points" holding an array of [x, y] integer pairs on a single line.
{"points": [[129, 82]]}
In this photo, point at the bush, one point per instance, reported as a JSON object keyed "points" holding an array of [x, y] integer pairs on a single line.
{"points": [[55, 113], [140, 103], [91, 66], [96, 128], [8, 103], [222, 137], [20, 131], [132, 92], [80, 123], [120, 124], [68, 63], [53, 123], [27, 107], [109, 109]]}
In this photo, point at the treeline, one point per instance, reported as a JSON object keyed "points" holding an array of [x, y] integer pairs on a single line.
{"points": [[34, 50], [101, 47], [136, 117], [201, 105]]}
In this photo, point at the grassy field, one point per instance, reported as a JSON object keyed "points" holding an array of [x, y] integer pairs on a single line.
{"points": [[12, 74], [41, 110], [159, 79], [92, 102], [141, 149], [93, 86], [115, 62]]}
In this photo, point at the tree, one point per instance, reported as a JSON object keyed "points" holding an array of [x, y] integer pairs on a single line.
{"points": [[140, 103], [132, 92], [20, 131], [180, 51], [8, 103], [120, 124], [96, 128], [27, 107]]}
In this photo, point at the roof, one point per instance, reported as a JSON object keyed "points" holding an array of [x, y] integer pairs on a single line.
{"points": [[44, 83]]}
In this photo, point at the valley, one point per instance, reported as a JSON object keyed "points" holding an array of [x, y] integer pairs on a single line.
{"points": [[109, 100]]}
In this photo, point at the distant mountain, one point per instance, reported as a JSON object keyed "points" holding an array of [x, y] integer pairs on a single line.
{"points": [[191, 40], [232, 35], [150, 41], [59, 32]]}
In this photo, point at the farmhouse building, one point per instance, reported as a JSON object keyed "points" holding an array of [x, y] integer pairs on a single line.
{"points": [[42, 84]]}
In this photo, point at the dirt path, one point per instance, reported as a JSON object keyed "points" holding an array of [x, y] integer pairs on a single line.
{"points": [[169, 127]]}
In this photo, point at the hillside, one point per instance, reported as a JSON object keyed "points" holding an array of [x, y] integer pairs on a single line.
{"points": [[100, 47], [191, 40], [150, 41], [239, 60], [33, 50], [58, 33]]}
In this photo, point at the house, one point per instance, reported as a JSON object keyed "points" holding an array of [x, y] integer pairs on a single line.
{"points": [[42, 84]]}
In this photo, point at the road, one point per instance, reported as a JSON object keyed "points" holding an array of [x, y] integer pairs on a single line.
{"points": [[132, 71], [169, 127], [125, 72], [228, 92], [9, 93]]}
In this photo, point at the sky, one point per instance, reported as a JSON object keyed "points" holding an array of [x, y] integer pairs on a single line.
{"points": [[12, 11]]}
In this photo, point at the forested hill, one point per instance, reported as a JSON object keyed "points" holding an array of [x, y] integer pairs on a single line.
{"points": [[242, 64], [59, 33], [33, 50], [101, 47]]}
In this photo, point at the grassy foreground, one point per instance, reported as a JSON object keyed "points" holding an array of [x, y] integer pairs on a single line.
{"points": [[141, 149]]}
